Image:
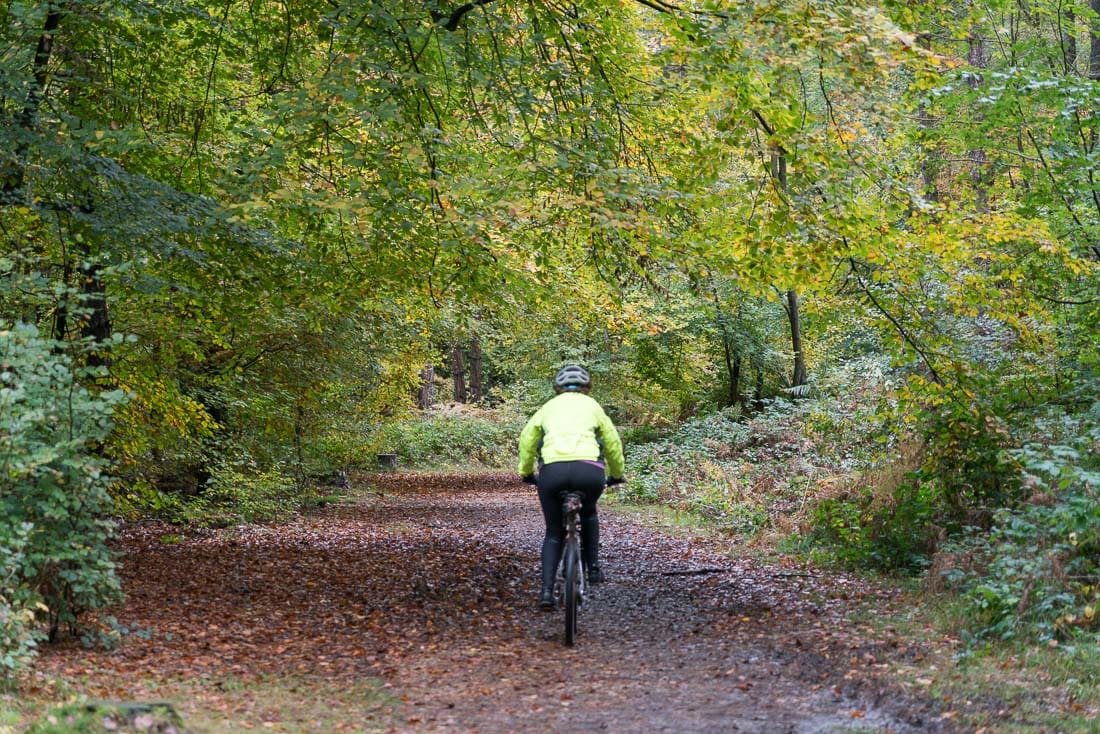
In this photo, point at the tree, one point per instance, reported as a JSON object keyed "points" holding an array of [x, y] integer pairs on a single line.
{"points": [[53, 489]]}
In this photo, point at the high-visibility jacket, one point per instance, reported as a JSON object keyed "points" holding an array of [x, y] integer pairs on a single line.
{"points": [[570, 427]]}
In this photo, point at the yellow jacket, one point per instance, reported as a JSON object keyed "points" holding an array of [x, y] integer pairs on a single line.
{"points": [[570, 427]]}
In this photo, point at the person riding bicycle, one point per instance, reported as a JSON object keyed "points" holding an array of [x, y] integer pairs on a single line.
{"points": [[574, 443]]}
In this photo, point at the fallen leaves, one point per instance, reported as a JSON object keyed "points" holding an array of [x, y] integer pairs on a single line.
{"points": [[428, 584]]}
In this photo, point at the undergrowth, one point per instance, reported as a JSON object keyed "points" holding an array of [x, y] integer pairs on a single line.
{"points": [[453, 436], [837, 476], [1000, 685], [760, 473]]}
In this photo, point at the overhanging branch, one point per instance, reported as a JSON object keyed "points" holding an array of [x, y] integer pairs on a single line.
{"points": [[452, 20], [902, 331], [457, 14]]}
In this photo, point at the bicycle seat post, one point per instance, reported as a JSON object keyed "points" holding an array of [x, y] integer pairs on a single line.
{"points": [[571, 502]]}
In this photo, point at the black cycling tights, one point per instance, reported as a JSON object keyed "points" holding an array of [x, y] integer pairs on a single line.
{"points": [[554, 480]]}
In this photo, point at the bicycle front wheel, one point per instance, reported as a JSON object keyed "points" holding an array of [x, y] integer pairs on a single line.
{"points": [[571, 574]]}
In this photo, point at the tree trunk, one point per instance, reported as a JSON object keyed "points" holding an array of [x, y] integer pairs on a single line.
{"points": [[61, 315], [930, 158], [476, 384], [979, 173], [95, 326], [458, 372], [1069, 41], [13, 174], [798, 373], [1094, 41], [733, 368], [758, 392], [1094, 75], [299, 441], [426, 397], [733, 360]]}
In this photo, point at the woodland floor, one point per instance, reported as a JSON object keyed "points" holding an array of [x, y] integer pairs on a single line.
{"points": [[412, 609]]}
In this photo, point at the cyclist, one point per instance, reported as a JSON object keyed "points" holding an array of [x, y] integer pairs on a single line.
{"points": [[574, 443]]}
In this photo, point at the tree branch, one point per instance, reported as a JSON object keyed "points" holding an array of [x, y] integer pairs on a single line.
{"points": [[660, 7], [1062, 301], [897, 324], [456, 15]]}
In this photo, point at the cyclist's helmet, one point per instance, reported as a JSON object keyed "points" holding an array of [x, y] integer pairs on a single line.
{"points": [[572, 377]]}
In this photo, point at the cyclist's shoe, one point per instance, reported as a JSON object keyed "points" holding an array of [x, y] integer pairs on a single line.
{"points": [[546, 600], [595, 575]]}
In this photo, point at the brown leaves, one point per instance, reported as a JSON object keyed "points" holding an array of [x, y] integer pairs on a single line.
{"points": [[335, 594], [428, 584]]}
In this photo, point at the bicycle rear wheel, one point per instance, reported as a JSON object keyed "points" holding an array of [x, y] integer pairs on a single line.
{"points": [[571, 573]]}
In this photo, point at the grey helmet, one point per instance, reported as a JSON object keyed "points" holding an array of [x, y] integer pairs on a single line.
{"points": [[572, 377]]}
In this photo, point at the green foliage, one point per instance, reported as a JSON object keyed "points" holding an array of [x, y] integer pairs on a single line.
{"points": [[103, 717], [53, 488], [669, 469], [76, 719], [877, 529], [967, 447], [18, 634], [244, 493], [1039, 575], [141, 499], [450, 438], [758, 472], [942, 467]]}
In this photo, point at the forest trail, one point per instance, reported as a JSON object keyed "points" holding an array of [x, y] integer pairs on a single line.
{"points": [[427, 586]]}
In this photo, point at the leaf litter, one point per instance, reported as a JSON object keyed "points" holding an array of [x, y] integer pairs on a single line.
{"points": [[425, 589]]}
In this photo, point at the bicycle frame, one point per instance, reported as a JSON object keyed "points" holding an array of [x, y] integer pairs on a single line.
{"points": [[572, 567]]}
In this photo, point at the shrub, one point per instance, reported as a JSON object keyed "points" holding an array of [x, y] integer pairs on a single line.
{"points": [[454, 437], [18, 637], [53, 489], [738, 474], [1042, 574], [244, 493], [888, 528], [1035, 571]]}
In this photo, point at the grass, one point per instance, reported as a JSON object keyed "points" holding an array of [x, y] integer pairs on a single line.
{"points": [[291, 705], [670, 520], [1008, 687]]}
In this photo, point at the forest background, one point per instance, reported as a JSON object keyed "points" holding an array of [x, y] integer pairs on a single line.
{"points": [[835, 268]]}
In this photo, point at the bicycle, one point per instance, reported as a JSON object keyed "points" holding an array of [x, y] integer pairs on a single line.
{"points": [[571, 580]]}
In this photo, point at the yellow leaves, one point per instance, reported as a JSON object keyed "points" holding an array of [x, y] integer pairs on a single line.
{"points": [[158, 416], [847, 135], [945, 62], [955, 241]]}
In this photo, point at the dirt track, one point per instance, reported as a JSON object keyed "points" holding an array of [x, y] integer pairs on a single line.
{"points": [[429, 585], [681, 638]]}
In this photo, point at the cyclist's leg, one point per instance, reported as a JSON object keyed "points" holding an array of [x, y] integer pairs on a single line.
{"points": [[590, 478], [551, 481]]}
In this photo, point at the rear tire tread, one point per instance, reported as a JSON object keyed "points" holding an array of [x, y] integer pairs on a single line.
{"points": [[572, 592]]}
